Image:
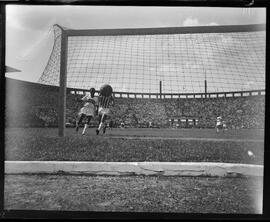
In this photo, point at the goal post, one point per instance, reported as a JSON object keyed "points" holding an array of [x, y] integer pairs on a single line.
{"points": [[138, 60], [63, 85]]}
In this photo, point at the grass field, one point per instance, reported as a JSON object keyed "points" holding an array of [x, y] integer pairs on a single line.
{"points": [[134, 194], [174, 145]]}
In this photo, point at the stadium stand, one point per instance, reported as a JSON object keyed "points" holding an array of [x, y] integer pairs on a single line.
{"points": [[35, 105]]}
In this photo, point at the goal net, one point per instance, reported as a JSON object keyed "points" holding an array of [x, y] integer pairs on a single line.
{"points": [[185, 60], [229, 58]]}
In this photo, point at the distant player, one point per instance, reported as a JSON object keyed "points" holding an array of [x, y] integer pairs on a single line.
{"points": [[105, 101], [219, 124], [110, 125], [224, 126], [122, 125], [88, 110]]}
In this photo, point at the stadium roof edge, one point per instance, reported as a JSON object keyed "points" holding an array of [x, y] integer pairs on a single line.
{"points": [[11, 69], [165, 30]]}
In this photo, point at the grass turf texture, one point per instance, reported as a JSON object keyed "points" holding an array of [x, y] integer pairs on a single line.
{"points": [[134, 194], [44, 144]]}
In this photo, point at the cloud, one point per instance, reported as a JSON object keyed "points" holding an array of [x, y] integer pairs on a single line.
{"points": [[191, 22], [212, 24], [11, 18], [34, 48]]}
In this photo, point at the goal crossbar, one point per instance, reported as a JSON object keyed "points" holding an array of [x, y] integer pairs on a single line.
{"points": [[169, 30]]}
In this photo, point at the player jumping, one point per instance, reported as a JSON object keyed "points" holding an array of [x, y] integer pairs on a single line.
{"points": [[104, 102], [88, 110]]}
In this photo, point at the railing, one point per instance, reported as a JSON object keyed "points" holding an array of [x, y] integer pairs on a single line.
{"points": [[173, 95], [25, 84]]}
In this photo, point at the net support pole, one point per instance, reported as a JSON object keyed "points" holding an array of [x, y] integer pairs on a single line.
{"points": [[62, 84], [160, 89], [205, 88]]}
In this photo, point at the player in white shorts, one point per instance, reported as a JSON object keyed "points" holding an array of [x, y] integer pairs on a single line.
{"points": [[219, 125], [88, 110], [104, 103]]}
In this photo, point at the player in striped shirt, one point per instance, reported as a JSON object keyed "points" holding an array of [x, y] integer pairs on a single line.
{"points": [[88, 110], [104, 104]]}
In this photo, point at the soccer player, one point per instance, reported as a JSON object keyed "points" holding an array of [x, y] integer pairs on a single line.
{"points": [[219, 124], [104, 103], [224, 126], [110, 125], [122, 125], [88, 110]]}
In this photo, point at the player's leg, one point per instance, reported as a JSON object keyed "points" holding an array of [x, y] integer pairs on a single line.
{"points": [[102, 120], [104, 112], [99, 122], [86, 124], [79, 121], [104, 123], [99, 118], [219, 128]]}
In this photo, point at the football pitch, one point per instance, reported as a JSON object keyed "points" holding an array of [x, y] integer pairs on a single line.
{"points": [[238, 195]]}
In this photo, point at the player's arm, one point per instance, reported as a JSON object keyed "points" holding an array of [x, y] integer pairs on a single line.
{"points": [[91, 100], [97, 105], [84, 99]]}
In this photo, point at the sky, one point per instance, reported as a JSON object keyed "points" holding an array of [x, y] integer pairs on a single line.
{"points": [[29, 29]]}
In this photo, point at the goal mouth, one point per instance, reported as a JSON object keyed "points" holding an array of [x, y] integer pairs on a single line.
{"points": [[172, 60]]}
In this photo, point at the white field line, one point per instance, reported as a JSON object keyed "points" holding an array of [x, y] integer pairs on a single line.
{"points": [[133, 168], [185, 138]]}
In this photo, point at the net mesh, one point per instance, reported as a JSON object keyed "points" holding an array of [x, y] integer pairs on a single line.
{"points": [[229, 61]]}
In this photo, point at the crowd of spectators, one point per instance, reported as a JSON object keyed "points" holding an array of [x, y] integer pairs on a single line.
{"points": [[37, 105], [238, 112]]}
